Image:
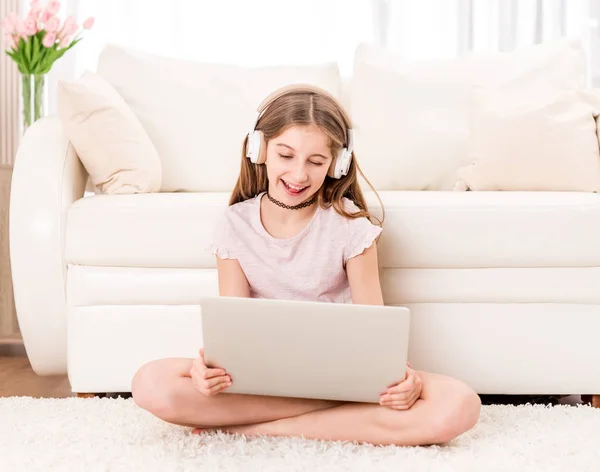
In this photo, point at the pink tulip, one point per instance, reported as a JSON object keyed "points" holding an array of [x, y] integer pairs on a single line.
{"points": [[49, 40], [72, 28], [87, 24], [7, 26], [52, 25], [63, 31], [34, 12], [46, 17], [68, 28], [65, 42], [30, 27], [36, 6], [32, 16], [14, 18], [20, 29], [53, 7], [10, 22]]}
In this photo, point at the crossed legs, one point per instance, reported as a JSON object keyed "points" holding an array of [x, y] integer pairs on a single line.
{"points": [[446, 409]]}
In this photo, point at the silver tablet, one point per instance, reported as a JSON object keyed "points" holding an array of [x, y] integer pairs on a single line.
{"points": [[328, 351]]}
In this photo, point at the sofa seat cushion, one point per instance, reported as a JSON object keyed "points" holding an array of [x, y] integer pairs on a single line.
{"points": [[421, 230]]}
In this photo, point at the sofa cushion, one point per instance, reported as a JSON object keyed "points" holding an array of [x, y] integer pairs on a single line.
{"points": [[411, 117], [198, 114], [421, 229], [109, 139], [546, 140]]}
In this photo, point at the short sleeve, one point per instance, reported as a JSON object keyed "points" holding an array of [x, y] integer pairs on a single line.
{"points": [[222, 244], [361, 234]]}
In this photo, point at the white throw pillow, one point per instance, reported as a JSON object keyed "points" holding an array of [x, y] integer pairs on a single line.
{"points": [[198, 114], [411, 117], [545, 140], [108, 138]]}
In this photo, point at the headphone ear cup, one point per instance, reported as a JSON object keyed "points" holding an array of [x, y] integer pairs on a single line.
{"points": [[252, 146], [340, 166], [256, 147]]}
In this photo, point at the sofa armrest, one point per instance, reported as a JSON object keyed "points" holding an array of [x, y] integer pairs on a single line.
{"points": [[47, 177]]}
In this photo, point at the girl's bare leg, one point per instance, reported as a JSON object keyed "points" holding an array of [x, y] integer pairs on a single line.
{"points": [[446, 409], [164, 388]]}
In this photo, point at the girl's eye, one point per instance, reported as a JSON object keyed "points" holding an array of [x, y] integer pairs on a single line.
{"points": [[318, 164]]}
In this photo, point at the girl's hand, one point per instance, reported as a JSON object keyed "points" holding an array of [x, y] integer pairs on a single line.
{"points": [[206, 380], [404, 394]]}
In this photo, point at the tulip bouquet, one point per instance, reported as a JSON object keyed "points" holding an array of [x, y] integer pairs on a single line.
{"points": [[35, 44]]}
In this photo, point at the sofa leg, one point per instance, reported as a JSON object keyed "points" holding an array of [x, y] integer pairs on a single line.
{"points": [[86, 395]]}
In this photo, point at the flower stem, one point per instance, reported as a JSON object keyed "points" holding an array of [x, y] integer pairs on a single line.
{"points": [[26, 84], [38, 100], [33, 98]]}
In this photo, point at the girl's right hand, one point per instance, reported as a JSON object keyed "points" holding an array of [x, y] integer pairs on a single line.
{"points": [[206, 380]]}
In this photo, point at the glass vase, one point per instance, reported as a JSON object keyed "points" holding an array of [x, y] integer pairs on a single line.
{"points": [[33, 88]]}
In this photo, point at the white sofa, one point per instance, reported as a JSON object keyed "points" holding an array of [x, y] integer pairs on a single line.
{"points": [[504, 287]]}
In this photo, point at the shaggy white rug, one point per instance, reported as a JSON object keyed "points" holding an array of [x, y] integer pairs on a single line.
{"points": [[105, 434]]}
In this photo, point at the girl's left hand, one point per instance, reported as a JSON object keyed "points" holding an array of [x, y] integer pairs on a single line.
{"points": [[404, 394]]}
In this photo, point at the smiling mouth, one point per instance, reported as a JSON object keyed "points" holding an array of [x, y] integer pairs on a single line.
{"points": [[293, 189]]}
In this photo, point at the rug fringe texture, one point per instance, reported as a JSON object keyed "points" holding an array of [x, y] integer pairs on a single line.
{"points": [[102, 434]]}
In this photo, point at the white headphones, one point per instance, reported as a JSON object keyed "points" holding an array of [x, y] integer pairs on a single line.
{"points": [[256, 147]]}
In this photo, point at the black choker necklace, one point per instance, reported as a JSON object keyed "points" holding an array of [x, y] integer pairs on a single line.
{"points": [[294, 207]]}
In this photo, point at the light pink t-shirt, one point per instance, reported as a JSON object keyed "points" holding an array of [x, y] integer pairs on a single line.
{"points": [[309, 266]]}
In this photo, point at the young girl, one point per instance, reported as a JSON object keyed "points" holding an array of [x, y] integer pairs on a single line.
{"points": [[298, 228]]}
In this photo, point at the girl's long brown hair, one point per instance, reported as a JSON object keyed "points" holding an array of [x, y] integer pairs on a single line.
{"points": [[298, 108]]}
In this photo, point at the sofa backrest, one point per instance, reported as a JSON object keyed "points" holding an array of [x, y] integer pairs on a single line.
{"points": [[410, 117], [196, 114]]}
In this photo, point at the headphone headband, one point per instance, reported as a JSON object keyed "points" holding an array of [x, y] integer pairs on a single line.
{"points": [[302, 87]]}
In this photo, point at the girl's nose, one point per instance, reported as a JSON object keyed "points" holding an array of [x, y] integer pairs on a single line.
{"points": [[299, 173]]}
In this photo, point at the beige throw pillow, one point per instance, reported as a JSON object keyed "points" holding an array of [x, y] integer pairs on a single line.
{"points": [[107, 136], [544, 140]]}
